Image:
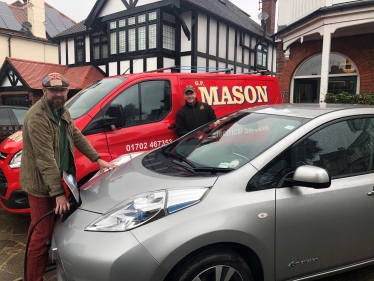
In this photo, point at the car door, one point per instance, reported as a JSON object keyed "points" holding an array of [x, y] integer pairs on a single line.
{"points": [[323, 229], [140, 112]]}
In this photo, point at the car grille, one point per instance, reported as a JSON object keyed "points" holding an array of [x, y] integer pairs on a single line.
{"points": [[3, 155], [3, 183]]}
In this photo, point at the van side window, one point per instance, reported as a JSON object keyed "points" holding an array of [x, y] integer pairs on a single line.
{"points": [[128, 100], [142, 103], [155, 100]]}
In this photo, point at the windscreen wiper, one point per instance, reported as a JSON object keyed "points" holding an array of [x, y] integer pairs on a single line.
{"points": [[213, 170], [179, 157]]}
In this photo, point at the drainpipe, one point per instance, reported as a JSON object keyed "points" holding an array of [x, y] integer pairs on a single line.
{"points": [[9, 48]]}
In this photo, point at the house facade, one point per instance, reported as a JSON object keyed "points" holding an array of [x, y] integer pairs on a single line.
{"points": [[325, 46], [132, 36], [25, 31]]}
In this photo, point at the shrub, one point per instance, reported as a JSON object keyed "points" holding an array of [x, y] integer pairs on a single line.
{"points": [[344, 97]]}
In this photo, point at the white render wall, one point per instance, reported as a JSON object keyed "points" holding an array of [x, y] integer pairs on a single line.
{"points": [[291, 10]]}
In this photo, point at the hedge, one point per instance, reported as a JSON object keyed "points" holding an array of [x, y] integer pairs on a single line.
{"points": [[367, 98]]}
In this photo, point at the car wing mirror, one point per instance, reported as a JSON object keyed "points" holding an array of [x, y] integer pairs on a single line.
{"points": [[310, 176]]}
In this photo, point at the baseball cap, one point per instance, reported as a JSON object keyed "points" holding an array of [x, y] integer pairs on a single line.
{"points": [[189, 88], [55, 80]]}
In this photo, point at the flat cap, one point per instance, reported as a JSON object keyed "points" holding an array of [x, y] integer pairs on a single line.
{"points": [[189, 88], [55, 80]]}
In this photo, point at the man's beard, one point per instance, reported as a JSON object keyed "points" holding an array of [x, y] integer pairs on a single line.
{"points": [[57, 102]]}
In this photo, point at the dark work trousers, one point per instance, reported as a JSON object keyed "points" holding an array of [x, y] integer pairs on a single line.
{"points": [[37, 255]]}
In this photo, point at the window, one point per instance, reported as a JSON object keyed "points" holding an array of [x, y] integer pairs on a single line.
{"points": [[168, 32], [343, 77], [169, 37], [99, 46], [79, 49], [155, 103], [344, 149], [262, 54], [136, 33]]}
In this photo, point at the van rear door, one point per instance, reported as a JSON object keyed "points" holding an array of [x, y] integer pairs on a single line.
{"points": [[139, 117]]}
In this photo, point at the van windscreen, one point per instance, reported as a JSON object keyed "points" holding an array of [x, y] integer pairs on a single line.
{"points": [[86, 99]]}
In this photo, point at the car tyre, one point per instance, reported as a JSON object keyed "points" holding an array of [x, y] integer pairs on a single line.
{"points": [[212, 265]]}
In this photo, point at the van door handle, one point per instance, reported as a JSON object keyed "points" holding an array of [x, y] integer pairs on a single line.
{"points": [[171, 127]]}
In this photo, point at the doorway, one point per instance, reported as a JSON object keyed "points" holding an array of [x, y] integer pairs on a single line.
{"points": [[306, 91]]}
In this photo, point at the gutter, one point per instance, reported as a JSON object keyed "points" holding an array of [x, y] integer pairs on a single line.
{"points": [[27, 38], [324, 10], [9, 48]]}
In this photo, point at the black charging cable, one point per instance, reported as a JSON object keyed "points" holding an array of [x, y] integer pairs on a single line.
{"points": [[28, 241]]}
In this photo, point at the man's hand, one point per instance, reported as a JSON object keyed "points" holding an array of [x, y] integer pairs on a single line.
{"points": [[105, 165], [62, 204]]}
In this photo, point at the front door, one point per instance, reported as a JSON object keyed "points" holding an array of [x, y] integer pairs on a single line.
{"points": [[320, 230], [305, 91]]}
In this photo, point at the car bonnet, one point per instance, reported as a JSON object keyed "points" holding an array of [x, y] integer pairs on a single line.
{"points": [[105, 191]]}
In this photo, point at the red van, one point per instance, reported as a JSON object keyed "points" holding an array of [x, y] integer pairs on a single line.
{"points": [[136, 112]]}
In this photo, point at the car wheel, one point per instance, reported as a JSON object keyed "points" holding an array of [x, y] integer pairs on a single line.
{"points": [[212, 265]]}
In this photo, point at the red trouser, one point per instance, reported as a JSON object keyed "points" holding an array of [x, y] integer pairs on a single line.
{"points": [[37, 255]]}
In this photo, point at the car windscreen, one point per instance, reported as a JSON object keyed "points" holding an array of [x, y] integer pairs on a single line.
{"points": [[86, 99], [232, 141], [20, 114]]}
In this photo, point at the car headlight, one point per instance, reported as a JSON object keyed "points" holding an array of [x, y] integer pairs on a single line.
{"points": [[16, 160], [147, 207]]}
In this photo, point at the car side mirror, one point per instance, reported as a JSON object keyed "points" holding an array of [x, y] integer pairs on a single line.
{"points": [[115, 116], [310, 176]]}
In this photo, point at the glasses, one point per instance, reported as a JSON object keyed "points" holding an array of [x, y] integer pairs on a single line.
{"points": [[58, 90]]}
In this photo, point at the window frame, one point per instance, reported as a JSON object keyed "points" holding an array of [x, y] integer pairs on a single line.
{"points": [[289, 152], [80, 44], [101, 43], [143, 121], [136, 27]]}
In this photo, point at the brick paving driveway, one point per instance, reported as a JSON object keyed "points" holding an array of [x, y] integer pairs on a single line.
{"points": [[13, 229]]}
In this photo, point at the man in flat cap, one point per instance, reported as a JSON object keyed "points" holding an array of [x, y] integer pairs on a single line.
{"points": [[49, 138], [193, 114]]}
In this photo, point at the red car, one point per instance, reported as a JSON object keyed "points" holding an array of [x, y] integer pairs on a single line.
{"points": [[136, 112]]}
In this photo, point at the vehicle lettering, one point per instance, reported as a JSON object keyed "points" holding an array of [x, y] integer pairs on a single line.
{"points": [[236, 95], [239, 131], [146, 145], [295, 263]]}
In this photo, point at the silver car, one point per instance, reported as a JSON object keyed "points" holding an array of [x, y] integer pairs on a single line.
{"points": [[270, 193]]}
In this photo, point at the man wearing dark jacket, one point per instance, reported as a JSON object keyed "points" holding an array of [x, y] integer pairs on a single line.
{"points": [[193, 114], [49, 138]]}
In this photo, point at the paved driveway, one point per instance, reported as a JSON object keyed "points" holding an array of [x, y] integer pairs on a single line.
{"points": [[13, 229]]}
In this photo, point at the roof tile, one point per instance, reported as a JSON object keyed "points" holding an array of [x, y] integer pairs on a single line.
{"points": [[33, 72]]}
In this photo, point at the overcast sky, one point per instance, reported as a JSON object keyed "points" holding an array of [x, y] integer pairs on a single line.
{"points": [[78, 10]]}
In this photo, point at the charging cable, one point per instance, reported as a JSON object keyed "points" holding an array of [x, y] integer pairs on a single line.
{"points": [[28, 241]]}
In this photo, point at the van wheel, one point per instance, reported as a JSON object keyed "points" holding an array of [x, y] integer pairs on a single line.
{"points": [[212, 265]]}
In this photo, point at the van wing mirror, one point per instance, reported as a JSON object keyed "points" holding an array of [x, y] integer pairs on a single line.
{"points": [[115, 115]]}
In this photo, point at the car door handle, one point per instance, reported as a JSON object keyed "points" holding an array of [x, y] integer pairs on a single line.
{"points": [[371, 193], [171, 127]]}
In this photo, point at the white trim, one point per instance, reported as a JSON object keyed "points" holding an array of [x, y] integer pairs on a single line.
{"points": [[185, 44], [123, 66], [63, 52], [137, 66], [88, 49], [71, 51], [112, 66], [202, 33], [151, 64]]}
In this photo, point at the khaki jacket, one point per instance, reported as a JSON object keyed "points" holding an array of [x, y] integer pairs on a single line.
{"points": [[40, 174]]}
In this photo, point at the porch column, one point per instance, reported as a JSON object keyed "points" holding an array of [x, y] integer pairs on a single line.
{"points": [[325, 64]]}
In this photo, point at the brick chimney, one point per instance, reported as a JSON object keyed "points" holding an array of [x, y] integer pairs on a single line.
{"points": [[270, 6], [36, 16]]}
